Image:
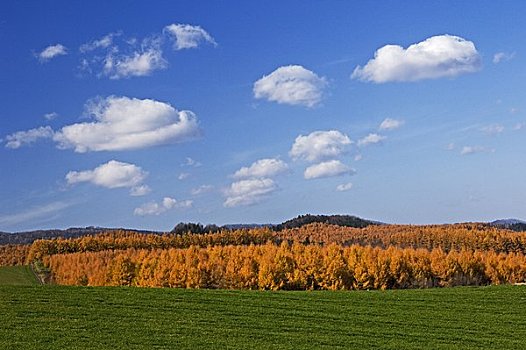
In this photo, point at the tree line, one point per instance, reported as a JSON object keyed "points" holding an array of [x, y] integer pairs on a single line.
{"points": [[287, 267]]}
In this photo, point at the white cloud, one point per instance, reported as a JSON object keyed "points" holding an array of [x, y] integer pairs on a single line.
{"points": [[293, 85], [519, 126], [22, 138], [436, 57], [183, 176], [137, 64], [450, 146], [33, 213], [50, 116], [344, 187], [191, 163], [466, 150], [113, 174], [262, 168], [391, 124], [123, 123], [102, 43], [154, 208], [327, 169], [319, 145], [248, 192], [51, 52], [202, 189], [358, 157], [492, 129], [140, 190], [503, 57], [370, 139], [188, 37]]}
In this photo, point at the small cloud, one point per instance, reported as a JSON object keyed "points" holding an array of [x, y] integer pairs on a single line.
{"points": [[466, 150], [51, 52], [391, 124], [492, 129], [23, 138], [344, 187], [319, 145], [102, 43], [111, 175], [34, 213], [514, 110], [262, 168], [189, 162], [330, 168], [248, 192], [183, 176], [202, 189], [293, 85], [436, 57], [358, 157], [503, 57], [188, 37], [137, 64], [519, 126], [154, 208], [370, 139], [140, 190], [51, 116], [450, 146]]}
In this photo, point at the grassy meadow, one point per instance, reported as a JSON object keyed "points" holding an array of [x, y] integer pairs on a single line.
{"points": [[17, 276], [59, 317]]}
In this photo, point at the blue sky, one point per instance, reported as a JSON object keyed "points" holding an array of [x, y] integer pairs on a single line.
{"points": [[235, 112]]}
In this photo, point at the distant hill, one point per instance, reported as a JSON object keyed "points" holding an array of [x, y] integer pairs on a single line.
{"points": [[340, 220], [30, 236], [510, 224]]}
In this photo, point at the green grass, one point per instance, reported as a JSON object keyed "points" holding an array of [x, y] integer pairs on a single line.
{"points": [[17, 276], [54, 317]]}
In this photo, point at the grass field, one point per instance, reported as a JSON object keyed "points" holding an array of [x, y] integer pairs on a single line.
{"points": [[54, 317], [17, 276]]}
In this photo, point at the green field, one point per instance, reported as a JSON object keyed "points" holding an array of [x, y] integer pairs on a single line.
{"points": [[54, 317], [17, 276]]}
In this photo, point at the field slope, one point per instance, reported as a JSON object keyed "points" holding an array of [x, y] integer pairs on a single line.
{"points": [[17, 276], [55, 317]]}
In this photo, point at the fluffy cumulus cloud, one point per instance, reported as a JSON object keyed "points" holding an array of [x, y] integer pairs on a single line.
{"points": [[390, 124], [319, 145], [51, 52], [187, 36], [154, 208], [123, 123], [436, 57], [248, 192], [293, 85], [22, 138], [113, 174], [267, 167], [370, 139], [327, 169], [344, 187]]}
